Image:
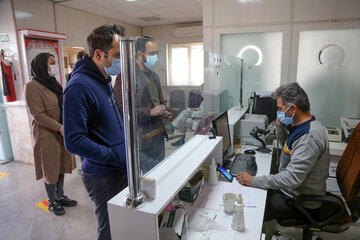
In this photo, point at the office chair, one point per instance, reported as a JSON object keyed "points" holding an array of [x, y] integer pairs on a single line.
{"points": [[333, 216], [177, 102]]}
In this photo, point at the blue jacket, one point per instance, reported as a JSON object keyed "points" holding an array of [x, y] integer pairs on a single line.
{"points": [[93, 127]]}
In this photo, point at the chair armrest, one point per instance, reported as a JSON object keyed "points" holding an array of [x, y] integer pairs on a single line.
{"points": [[298, 200]]}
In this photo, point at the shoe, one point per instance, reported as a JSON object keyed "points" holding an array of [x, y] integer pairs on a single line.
{"points": [[79, 171], [178, 143], [56, 208], [170, 130], [66, 202]]}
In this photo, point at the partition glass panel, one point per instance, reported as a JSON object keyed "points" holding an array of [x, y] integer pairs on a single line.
{"points": [[328, 70], [261, 54], [171, 97]]}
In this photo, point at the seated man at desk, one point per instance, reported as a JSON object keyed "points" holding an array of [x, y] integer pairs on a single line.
{"points": [[304, 161]]}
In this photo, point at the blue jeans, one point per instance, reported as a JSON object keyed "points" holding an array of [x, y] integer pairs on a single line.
{"points": [[101, 190]]}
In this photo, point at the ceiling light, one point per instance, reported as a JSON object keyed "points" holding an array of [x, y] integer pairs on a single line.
{"points": [[21, 14]]}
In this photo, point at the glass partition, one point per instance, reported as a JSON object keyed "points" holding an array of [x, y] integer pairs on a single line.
{"points": [[222, 82], [328, 71], [261, 54], [173, 103]]}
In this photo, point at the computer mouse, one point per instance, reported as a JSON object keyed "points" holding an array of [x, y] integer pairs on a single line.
{"points": [[249, 151]]}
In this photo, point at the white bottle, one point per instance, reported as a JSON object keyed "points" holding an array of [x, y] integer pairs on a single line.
{"points": [[213, 178], [238, 221]]}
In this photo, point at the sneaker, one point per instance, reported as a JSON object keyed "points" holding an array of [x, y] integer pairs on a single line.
{"points": [[66, 202], [56, 208], [79, 171], [170, 130], [178, 143]]}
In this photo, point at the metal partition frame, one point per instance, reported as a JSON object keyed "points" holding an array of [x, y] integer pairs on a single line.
{"points": [[136, 198]]}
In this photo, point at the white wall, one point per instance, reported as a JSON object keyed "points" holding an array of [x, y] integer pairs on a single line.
{"points": [[76, 24], [286, 16], [8, 26], [166, 33]]}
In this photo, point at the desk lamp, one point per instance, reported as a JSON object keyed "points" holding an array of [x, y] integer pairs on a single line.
{"points": [[256, 133]]}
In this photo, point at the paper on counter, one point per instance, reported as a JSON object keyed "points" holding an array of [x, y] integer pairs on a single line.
{"points": [[211, 197], [203, 228], [225, 187]]}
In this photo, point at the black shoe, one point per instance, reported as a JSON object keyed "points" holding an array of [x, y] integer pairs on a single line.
{"points": [[66, 202], [178, 143], [56, 208]]}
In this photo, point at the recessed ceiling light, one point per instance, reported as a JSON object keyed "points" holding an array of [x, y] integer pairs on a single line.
{"points": [[131, 0]]}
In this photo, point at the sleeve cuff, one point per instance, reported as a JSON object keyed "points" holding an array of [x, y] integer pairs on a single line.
{"points": [[257, 182]]}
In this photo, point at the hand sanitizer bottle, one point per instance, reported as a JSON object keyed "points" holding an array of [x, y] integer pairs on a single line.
{"points": [[238, 221], [213, 179]]}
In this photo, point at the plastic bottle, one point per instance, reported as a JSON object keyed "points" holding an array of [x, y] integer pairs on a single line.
{"points": [[213, 178], [238, 221]]}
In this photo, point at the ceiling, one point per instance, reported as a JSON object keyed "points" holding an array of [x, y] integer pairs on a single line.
{"points": [[141, 12]]}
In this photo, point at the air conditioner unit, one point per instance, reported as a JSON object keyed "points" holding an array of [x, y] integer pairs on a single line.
{"points": [[195, 31]]}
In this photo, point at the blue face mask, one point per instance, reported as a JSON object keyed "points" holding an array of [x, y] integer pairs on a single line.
{"points": [[115, 67], [284, 119], [151, 61]]}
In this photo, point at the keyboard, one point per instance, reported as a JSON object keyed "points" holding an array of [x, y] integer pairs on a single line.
{"points": [[243, 163]]}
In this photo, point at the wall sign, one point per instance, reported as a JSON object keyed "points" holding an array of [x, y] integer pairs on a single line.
{"points": [[4, 38]]}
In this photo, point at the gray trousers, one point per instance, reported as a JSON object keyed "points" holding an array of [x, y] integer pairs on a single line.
{"points": [[101, 190], [55, 191]]}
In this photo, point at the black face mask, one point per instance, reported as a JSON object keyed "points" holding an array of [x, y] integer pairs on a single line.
{"points": [[39, 71]]}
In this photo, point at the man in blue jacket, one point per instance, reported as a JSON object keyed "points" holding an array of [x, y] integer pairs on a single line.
{"points": [[93, 127]]}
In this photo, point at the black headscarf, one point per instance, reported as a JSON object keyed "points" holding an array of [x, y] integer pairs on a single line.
{"points": [[39, 71]]}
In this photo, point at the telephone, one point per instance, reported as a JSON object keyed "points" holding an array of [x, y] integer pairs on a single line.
{"points": [[348, 125]]}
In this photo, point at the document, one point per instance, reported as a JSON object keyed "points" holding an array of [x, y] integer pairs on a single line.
{"points": [[212, 197]]}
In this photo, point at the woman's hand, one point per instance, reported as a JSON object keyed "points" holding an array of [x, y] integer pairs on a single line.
{"points": [[61, 130]]}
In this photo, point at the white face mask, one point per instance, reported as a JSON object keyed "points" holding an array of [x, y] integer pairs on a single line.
{"points": [[54, 69]]}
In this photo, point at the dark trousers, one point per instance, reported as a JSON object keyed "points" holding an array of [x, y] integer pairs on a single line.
{"points": [[55, 191], [152, 155], [101, 190], [279, 206]]}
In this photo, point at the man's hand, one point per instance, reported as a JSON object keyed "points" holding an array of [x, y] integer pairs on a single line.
{"points": [[244, 178], [61, 130], [158, 110], [277, 122]]}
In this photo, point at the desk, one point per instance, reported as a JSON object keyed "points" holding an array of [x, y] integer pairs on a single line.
{"points": [[171, 175], [253, 215]]}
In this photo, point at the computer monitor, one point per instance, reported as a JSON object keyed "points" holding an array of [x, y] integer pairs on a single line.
{"points": [[221, 127]]}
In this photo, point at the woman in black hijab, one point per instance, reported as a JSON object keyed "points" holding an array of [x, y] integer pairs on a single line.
{"points": [[44, 97]]}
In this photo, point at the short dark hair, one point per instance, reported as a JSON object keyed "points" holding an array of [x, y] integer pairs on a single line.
{"points": [[102, 37], [292, 93], [81, 54], [141, 43]]}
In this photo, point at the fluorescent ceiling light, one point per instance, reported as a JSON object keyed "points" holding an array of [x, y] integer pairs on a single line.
{"points": [[21, 14]]}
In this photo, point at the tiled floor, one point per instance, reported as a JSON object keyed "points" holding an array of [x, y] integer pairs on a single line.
{"points": [[20, 219]]}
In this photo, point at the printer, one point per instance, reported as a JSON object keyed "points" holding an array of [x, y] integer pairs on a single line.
{"points": [[247, 124]]}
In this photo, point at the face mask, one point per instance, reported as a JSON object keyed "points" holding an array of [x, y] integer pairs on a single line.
{"points": [[284, 119], [54, 69], [151, 61], [115, 67]]}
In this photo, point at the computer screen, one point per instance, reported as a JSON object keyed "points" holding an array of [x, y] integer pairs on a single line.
{"points": [[221, 126]]}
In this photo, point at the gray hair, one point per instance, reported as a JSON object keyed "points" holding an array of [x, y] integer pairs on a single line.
{"points": [[292, 93]]}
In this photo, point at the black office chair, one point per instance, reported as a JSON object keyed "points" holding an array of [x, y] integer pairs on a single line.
{"points": [[333, 216], [177, 102]]}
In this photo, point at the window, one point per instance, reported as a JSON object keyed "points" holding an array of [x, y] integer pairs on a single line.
{"points": [[186, 65]]}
